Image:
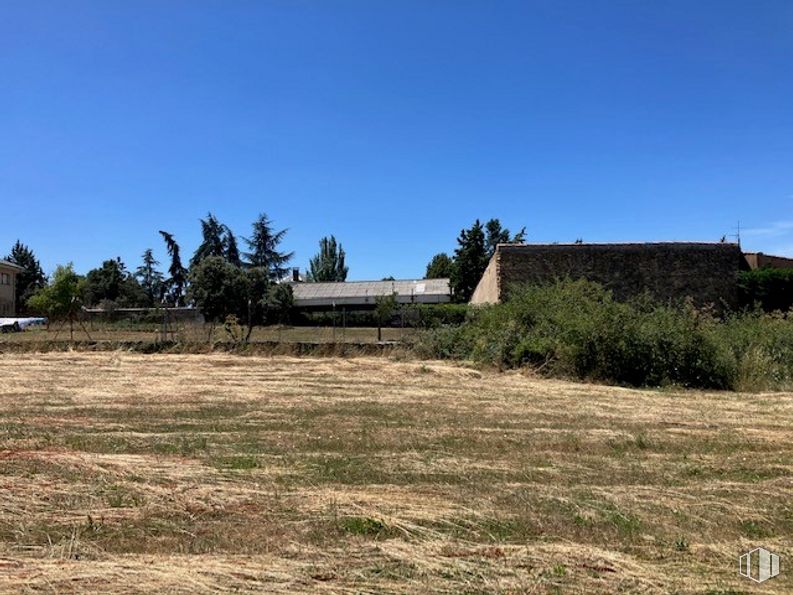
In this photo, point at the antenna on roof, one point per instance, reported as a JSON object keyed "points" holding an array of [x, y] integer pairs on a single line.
{"points": [[737, 234]]}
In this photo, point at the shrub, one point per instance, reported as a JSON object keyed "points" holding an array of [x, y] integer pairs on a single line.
{"points": [[771, 289], [576, 328], [762, 347], [434, 315]]}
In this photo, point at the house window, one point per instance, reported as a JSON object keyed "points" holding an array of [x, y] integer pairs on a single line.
{"points": [[5, 279]]}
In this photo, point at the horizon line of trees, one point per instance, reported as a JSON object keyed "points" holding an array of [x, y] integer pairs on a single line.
{"points": [[221, 279]]}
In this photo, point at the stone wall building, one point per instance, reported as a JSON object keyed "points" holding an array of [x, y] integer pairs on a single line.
{"points": [[669, 271], [758, 260]]}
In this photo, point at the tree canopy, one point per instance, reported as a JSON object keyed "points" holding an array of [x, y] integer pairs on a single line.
{"points": [[497, 235], [176, 283], [113, 283], [62, 297], [475, 247], [328, 264], [151, 279], [470, 261], [31, 279], [213, 240], [263, 248], [440, 267], [218, 288]]}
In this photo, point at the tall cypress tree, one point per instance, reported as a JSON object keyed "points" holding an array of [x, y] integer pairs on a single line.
{"points": [[178, 274]]}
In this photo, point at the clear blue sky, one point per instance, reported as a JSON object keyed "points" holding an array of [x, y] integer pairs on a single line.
{"points": [[393, 124]]}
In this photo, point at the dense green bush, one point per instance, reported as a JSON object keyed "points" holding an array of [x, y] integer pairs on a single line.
{"points": [[434, 315], [762, 347], [418, 315], [771, 289], [576, 328]]}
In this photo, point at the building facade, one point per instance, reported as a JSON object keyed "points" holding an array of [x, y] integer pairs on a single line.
{"points": [[8, 285]]}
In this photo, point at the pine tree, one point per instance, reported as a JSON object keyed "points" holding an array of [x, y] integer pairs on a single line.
{"points": [[263, 245], [212, 244], [230, 249], [31, 279], [497, 235], [328, 264], [470, 261], [150, 278]]}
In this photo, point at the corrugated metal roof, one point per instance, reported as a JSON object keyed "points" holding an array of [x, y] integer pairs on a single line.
{"points": [[418, 291]]}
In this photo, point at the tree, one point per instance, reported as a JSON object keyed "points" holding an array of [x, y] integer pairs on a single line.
{"points": [[212, 243], [440, 267], [384, 309], [328, 264], [230, 249], [470, 261], [150, 279], [31, 279], [113, 283], [178, 274], [258, 287], [62, 298], [280, 303], [105, 282], [263, 245], [219, 289], [497, 235]]}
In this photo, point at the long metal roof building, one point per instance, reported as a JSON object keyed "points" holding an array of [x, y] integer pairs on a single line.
{"points": [[364, 293]]}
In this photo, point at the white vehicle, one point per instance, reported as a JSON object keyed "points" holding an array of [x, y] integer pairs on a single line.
{"points": [[15, 325]]}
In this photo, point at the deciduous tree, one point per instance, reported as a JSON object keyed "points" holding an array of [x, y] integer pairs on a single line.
{"points": [[62, 297], [328, 264], [440, 267]]}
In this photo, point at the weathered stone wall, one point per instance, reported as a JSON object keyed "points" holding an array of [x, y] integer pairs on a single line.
{"points": [[487, 290], [705, 272]]}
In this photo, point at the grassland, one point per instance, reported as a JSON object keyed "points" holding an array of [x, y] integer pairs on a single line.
{"points": [[125, 473]]}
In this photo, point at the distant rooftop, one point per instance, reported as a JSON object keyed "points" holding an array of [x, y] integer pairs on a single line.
{"points": [[11, 265], [613, 244], [364, 293]]}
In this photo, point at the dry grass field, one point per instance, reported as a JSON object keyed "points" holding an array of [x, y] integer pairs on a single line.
{"points": [[197, 333], [126, 473]]}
